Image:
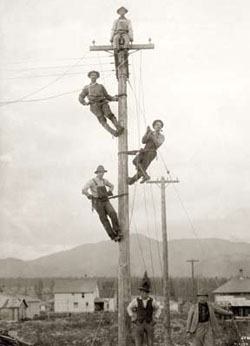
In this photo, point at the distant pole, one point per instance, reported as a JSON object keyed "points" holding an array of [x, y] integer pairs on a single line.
{"points": [[193, 261], [124, 282], [166, 286]]}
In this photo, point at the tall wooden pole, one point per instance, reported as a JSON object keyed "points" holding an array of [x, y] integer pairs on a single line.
{"points": [[124, 284], [193, 261], [166, 286], [124, 292]]}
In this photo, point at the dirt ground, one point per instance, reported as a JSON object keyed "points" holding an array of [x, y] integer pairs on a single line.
{"points": [[100, 329]]}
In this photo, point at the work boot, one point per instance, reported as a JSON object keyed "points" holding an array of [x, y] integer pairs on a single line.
{"points": [[120, 130], [145, 178], [130, 181], [118, 238], [110, 130]]}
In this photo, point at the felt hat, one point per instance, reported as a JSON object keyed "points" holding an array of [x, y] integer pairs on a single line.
{"points": [[145, 284], [98, 74], [157, 121], [122, 8], [100, 168]]}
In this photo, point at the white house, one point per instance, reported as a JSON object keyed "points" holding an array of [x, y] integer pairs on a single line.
{"points": [[236, 293], [75, 295]]}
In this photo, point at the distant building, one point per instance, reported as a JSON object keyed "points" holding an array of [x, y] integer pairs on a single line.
{"points": [[75, 295], [107, 300], [12, 308], [235, 293], [34, 306]]}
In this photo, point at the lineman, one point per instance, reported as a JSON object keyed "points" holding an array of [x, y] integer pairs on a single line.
{"points": [[98, 101], [121, 36], [99, 196], [202, 321], [144, 312], [152, 140]]}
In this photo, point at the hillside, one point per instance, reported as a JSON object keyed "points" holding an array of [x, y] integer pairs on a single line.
{"points": [[216, 258]]}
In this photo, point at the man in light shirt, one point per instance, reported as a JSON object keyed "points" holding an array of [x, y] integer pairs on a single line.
{"points": [[99, 196], [144, 312]]}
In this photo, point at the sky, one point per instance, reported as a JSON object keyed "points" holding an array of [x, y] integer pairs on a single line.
{"points": [[197, 80]]}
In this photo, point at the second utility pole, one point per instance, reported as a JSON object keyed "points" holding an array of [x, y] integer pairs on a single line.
{"points": [[166, 286]]}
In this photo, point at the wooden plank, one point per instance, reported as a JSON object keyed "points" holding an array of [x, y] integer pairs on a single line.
{"points": [[95, 48]]}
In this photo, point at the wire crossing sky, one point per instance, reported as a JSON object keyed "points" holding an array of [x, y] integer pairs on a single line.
{"points": [[197, 80]]}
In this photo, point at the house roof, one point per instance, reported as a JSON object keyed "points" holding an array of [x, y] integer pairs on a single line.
{"points": [[86, 285], [8, 302], [238, 284]]}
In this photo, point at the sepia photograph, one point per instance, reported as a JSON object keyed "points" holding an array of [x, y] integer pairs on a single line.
{"points": [[125, 173]]}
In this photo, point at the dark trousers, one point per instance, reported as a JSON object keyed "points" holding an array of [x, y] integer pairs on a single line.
{"points": [[102, 111], [105, 210], [142, 161], [143, 331], [204, 335]]}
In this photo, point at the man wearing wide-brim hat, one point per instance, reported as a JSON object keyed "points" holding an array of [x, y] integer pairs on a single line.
{"points": [[144, 312], [99, 196], [122, 28], [152, 140], [98, 99], [201, 322]]}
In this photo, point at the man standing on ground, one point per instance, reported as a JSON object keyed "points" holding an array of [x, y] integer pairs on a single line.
{"points": [[144, 312], [152, 140], [99, 196], [202, 322], [98, 101]]}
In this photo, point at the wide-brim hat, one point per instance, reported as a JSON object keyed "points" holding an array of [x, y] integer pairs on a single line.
{"points": [[157, 121], [100, 168], [145, 283], [96, 72], [122, 8], [145, 289]]}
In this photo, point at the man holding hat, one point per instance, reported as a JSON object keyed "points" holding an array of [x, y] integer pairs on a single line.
{"points": [[99, 196], [144, 311], [98, 100], [202, 322], [152, 140]]}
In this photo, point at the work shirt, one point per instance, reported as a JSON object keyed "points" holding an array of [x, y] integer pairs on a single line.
{"points": [[93, 184], [95, 93], [134, 305], [153, 140], [203, 312], [122, 25]]}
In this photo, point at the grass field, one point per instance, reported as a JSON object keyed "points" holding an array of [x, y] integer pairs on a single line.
{"points": [[100, 329]]}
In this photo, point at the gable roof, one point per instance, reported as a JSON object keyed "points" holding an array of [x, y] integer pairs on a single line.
{"points": [[86, 285], [8, 302], [238, 284]]}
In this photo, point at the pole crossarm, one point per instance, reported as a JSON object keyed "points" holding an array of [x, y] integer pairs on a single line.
{"points": [[107, 48], [165, 181]]}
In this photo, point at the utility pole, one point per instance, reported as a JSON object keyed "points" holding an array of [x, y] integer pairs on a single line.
{"points": [[193, 261], [166, 286], [124, 282]]}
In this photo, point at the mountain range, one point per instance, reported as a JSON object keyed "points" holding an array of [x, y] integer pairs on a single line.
{"points": [[216, 257]]}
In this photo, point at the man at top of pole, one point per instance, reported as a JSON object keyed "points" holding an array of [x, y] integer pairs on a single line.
{"points": [[98, 99], [152, 139], [121, 37]]}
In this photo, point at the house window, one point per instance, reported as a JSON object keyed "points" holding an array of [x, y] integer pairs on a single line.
{"points": [[83, 295], [87, 304], [75, 305], [107, 306], [73, 294]]}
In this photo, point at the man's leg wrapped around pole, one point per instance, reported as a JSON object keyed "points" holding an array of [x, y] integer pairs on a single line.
{"points": [[96, 109], [113, 216], [99, 206], [108, 114]]}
